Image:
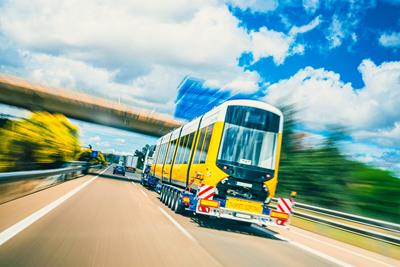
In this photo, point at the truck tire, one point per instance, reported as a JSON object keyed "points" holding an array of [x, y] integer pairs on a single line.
{"points": [[165, 194], [174, 200], [178, 207], [162, 194], [170, 198]]}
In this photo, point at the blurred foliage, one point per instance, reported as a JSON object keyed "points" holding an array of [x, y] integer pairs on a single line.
{"points": [[322, 176], [86, 155], [42, 141], [111, 158], [141, 154]]}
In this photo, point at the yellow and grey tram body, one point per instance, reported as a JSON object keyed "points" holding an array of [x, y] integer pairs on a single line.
{"points": [[234, 148]]}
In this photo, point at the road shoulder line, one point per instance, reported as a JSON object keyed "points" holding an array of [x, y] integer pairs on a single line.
{"points": [[343, 249], [25, 223], [177, 225], [303, 247]]}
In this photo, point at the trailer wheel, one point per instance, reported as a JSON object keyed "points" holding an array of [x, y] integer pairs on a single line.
{"points": [[166, 196], [162, 194], [171, 198], [167, 193], [175, 200], [178, 207]]}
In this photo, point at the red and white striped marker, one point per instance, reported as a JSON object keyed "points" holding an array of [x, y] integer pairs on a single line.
{"points": [[285, 205], [206, 192]]}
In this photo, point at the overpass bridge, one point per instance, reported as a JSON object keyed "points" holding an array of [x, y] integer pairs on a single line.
{"points": [[35, 97]]}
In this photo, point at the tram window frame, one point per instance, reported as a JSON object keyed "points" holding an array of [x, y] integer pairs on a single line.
{"points": [[155, 153], [207, 142], [159, 154], [182, 150], [199, 145], [171, 151], [164, 152], [188, 148]]}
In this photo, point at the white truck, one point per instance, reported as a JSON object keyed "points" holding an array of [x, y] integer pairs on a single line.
{"points": [[131, 163]]}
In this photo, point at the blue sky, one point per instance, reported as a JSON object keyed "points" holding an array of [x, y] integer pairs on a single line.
{"points": [[337, 61]]}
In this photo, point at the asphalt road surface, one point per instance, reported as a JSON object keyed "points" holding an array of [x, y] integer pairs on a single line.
{"points": [[113, 222]]}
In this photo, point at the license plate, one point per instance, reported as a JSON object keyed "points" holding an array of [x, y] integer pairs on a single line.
{"points": [[244, 184], [243, 216], [244, 205]]}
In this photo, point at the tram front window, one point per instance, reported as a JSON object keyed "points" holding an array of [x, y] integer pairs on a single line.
{"points": [[246, 146], [250, 137]]}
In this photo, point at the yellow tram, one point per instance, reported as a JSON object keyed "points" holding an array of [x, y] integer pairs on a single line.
{"points": [[239, 140]]}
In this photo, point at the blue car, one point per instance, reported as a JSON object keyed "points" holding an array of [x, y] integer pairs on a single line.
{"points": [[119, 170]]}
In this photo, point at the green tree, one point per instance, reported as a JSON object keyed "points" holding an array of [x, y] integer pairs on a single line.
{"points": [[141, 154], [323, 176]]}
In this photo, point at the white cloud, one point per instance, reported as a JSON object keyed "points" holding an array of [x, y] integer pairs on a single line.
{"points": [[389, 137], [324, 100], [266, 42], [254, 5], [135, 51], [139, 52], [120, 140], [390, 39], [95, 139], [305, 28], [311, 5], [246, 82], [13, 111], [336, 33], [384, 158]]}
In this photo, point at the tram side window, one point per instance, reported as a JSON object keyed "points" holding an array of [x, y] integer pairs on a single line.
{"points": [[180, 149], [188, 148], [199, 146], [159, 154], [206, 145], [155, 154], [168, 153], [171, 151], [163, 152], [185, 150]]}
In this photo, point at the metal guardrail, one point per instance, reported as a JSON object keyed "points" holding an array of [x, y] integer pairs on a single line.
{"points": [[388, 226], [37, 173], [14, 185]]}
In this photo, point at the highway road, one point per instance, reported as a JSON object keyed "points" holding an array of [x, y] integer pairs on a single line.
{"points": [[100, 221]]}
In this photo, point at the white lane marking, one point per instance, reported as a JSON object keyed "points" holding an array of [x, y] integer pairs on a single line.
{"points": [[23, 224], [144, 193], [301, 246], [341, 248], [180, 227]]}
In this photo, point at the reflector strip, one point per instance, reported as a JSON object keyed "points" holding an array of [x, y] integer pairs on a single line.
{"points": [[279, 215], [209, 203], [186, 199]]}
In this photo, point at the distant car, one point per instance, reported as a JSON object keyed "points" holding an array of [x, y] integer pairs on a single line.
{"points": [[119, 170]]}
